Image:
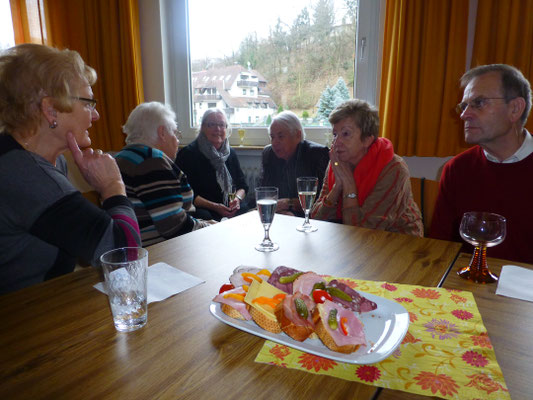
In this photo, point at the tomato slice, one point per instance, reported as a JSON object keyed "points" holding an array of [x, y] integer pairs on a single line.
{"points": [[319, 296], [225, 287]]}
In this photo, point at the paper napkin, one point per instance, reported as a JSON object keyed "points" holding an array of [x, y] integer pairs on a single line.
{"points": [[516, 282], [164, 281]]}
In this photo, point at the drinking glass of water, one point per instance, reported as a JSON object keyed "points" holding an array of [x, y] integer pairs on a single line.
{"points": [[126, 274], [307, 187], [266, 198]]}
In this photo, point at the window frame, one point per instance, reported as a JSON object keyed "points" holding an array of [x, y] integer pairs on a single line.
{"points": [[165, 53]]}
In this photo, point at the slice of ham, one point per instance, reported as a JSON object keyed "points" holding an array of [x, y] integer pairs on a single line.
{"points": [[240, 306], [237, 278], [358, 304], [289, 308], [304, 283], [278, 273], [354, 327]]}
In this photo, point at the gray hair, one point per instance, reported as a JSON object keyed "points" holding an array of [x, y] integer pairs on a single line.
{"points": [[143, 122], [209, 112], [291, 121], [514, 83]]}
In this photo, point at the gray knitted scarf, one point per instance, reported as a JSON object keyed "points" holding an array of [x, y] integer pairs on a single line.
{"points": [[217, 158]]}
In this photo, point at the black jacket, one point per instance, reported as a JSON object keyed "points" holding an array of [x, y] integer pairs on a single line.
{"points": [[309, 159]]}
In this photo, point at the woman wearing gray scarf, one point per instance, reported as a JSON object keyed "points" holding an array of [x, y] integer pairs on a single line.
{"points": [[213, 169]]}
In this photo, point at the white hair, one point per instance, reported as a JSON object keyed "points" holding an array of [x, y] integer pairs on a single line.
{"points": [[210, 111], [291, 122], [143, 122]]}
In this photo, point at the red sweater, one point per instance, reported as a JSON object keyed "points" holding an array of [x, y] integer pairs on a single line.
{"points": [[470, 182]]}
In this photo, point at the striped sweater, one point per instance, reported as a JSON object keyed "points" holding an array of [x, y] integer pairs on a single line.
{"points": [[389, 206], [159, 192]]}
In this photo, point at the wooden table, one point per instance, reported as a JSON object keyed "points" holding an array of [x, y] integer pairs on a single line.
{"points": [[58, 341], [509, 323]]}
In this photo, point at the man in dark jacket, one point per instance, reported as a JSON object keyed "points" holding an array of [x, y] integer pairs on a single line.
{"points": [[291, 156]]}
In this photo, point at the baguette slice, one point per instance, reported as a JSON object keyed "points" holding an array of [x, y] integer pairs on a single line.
{"points": [[264, 321], [232, 312]]}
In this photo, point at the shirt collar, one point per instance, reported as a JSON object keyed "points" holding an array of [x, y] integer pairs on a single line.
{"points": [[524, 151]]}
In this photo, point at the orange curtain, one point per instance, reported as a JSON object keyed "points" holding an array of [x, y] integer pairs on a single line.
{"points": [[504, 35], [28, 21], [106, 34], [423, 58]]}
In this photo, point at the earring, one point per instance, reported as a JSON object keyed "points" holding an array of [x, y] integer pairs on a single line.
{"points": [[53, 124]]}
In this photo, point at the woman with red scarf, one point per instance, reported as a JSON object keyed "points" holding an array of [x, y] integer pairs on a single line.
{"points": [[366, 184]]}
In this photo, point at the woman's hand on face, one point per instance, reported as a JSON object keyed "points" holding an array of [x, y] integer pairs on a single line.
{"points": [[343, 172], [99, 170]]}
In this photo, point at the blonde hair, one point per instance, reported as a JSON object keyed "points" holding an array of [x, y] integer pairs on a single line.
{"points": [[30, 72]]}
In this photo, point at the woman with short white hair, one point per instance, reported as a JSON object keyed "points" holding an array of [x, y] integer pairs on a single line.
{"points": [[155, 185]]}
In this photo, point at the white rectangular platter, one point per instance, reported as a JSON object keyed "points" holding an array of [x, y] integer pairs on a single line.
{"points": [[385, 328]]}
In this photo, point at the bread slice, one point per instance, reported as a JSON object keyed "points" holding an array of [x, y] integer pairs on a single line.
{"points": [[326, 338], [232, 312], [297, 332], [264, 321]]}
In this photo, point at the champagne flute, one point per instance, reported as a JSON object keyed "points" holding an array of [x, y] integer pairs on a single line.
{"points": [[232, 194], [267, 199], [482, 230], [241, 131], [307, 187]]}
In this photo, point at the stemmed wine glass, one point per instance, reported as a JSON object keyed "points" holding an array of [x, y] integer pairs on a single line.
{"points": [[307, 187], [482, 230], [266, 198]]}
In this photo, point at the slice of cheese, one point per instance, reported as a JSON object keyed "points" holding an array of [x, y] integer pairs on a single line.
{"points": [[263, 289]]}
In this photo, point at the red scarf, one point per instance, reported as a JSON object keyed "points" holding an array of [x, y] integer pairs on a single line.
{"points": [[367, 171]]}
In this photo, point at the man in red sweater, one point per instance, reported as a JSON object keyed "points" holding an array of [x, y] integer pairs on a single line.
{"points": [[496, 175]]}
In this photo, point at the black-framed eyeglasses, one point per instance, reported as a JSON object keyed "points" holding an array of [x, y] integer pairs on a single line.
{"points": [[477, 104], [91, 103]]}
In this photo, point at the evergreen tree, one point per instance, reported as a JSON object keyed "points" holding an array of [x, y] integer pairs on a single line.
{"points": [[342, 90], [326, 104]]}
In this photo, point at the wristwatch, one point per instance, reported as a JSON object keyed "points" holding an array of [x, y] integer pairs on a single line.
{"points": [[351, 195], [239, 197]]}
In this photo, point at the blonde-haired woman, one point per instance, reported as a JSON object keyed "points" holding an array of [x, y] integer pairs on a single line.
{"points": [[46, 108]]}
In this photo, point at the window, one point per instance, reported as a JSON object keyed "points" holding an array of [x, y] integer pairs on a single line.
{"points": [[244, 92], [176, 63], [7, 37]]}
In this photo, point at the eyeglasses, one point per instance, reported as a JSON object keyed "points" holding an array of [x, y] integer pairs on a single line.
{"points": [[91, 103], [221, 125], [477, 104]]}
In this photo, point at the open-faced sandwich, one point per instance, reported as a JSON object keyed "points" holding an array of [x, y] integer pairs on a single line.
{"points": [[338, 327], [231, 295], [301, 304]]}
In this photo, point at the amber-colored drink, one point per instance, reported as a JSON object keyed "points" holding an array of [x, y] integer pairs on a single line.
{"points": [[482, 230]]}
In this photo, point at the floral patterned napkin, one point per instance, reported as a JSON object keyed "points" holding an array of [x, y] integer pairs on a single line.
{"points": [[446, 351]]}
